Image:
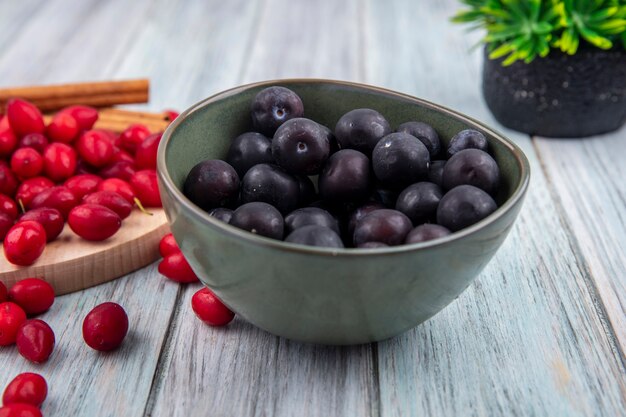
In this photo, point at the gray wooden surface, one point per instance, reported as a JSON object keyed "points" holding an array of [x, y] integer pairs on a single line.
{"points": [[541, 332]]}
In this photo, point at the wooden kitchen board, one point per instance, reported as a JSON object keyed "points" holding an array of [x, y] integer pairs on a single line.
{"points": [[71, 263]]}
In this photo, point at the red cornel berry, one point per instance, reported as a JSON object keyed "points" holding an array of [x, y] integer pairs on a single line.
{"points": [[24, 243], [34, 295], [59, 161], [35, 340], [146, 153], [24, 117], [111, 200], [168, 245], [210, 309], [11, 318], [132, 137], [26, 388], [4, 295], [83, 184], [95, 147], [94, 222], [20, 410], [30, 188], [63, 128], [146, 188], [105, 327], [175, 267], [85, 116]]}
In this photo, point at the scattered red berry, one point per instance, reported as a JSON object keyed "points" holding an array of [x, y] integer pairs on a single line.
{"points": [[24, 243], [20, 410], [105, 327], [59, 197], [146, 188], [171, 115], [95, 147], [50, 218], [26, 163], [94, 222], [175, 267], [8, 182], [63, 128], [59, 161], [26, 388], [35, 340], [83, 184], [30, 188], [85, 116], [133, 136], [36, 141], [118, 186], [210, 309], [123, 170], [4, 295], [146, 153], [168, 245], [6, 223], [111, 200], [121, 155], [8, 206], [11, 318], [24, 117], [34, 295], [8, 141]]}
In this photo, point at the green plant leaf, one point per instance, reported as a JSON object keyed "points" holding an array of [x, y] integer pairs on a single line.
{"points": [[602, 14], [595, 39]]}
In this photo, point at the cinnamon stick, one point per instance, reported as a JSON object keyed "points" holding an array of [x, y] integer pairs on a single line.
{"points": [[97, 94], [118, 120]]}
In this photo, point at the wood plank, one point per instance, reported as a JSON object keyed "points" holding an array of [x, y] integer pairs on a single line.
{"points": [[526, 337], [241, 370], [587, 177]]}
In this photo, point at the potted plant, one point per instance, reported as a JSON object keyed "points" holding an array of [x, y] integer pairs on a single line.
{"points": [[553, 67]]}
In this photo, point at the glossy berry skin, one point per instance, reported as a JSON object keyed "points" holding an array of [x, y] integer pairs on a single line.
{"points": [[270, 184], [467, 139], [34, 295], [63, 128], [361, 129], [210, 309], [212, 183], [175, 267], [24, 243], [419, 201], [400, 159], [6, 223], [425, 133], [26, 163], [222, 214], [81, 185], [20, 410], [314, 235], [346, 177], [385, 226], [272, 107], [59, 161], [119, 186], [26, 388], [463, 206], [50, 218], [146, 152], [123, 170], [85, 116], [59, 197], [168, 245], [8, 206], [361, 212], [472, 167], [8, 140], [372, 245], [435, 172], [37, 141], [132, 137], [307, 193], [301, 146], [310, 216], [8, 182], [247, 150], [4, 295], [259, 218], [12, 317], [35, 340], [122, 155], [24, 117], [425, 232], [31, 187], [146, 188], [94, 222], [111, 200], [95, 148], [105, 327]]}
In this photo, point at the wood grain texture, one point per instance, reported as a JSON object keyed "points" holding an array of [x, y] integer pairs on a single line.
{"points": [[587, 180], [71, 263], [526, 338]]}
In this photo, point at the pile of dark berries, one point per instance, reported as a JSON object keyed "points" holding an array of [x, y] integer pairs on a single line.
{"points": [[375, 187]]}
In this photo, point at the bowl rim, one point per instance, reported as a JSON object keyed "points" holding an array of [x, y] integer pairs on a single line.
{"points": [[224, 228]]}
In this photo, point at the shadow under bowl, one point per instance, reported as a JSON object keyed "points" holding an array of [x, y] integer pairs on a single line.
{"points": [[324, 295]]}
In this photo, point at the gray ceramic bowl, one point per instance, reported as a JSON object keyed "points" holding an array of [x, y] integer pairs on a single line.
{"points": [[329, 296]]}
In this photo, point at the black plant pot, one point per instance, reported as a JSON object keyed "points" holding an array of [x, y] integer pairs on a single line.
{"points": [[560, 95]]}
